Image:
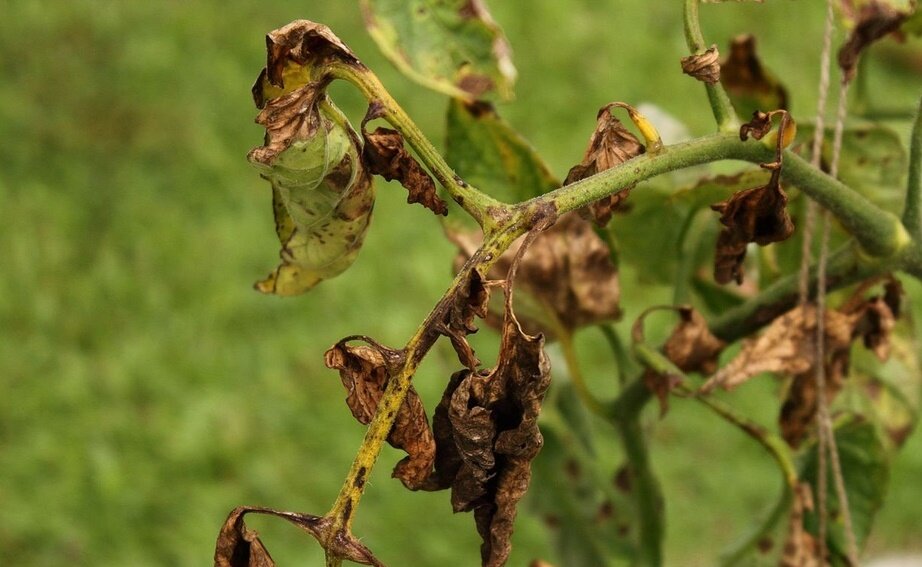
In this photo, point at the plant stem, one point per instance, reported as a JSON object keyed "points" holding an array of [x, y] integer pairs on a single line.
{"points": [[721, 106], [912, 212], [475, 202]]}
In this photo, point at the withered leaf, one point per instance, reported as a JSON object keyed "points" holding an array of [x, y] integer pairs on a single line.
{"points": [[365, 371], [748, 83], [703, 66], [322, 195], [610, 144], [754, 215], [385, 155], [238, 546], [758, 126], [471, 300], [800, 549], [487, 433], [691, 346], [661, 385], [567, 279], [872, 20]]}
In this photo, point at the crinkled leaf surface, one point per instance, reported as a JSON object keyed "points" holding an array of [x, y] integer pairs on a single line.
{"points": [[749, 84], [321, 193], [451, 46], [866, 471]]}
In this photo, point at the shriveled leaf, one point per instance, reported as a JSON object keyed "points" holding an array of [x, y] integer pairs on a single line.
{"points": [[489, 154], [866, 473], [869, 20], [691, 346], [610, 144], [451, 46], [758, 126], [703, 66], [238, 546], [800, 547], [486, 427], [364, 371], [385, 155], [755, 215], [787, 346], [749, 84], [322, 195], [566, 281]]}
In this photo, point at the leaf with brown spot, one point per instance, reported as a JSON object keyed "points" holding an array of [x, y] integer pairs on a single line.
{"points": [[611, 144], [800, 548], [238, 546], [870, 20], [749, 84], [565, 282], [758, 126], [322, 195], [754, 215], [451, 46], [703, 66], [365, 371], [384, 154]]}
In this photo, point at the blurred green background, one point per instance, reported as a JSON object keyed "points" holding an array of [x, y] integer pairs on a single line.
{"points": [[147, 389]]}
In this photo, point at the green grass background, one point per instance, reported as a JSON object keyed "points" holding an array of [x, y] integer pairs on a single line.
{"points": [[146, 389]]}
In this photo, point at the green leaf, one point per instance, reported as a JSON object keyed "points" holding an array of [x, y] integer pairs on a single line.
{"points": [[866, 472], [451, 46], [489, 154], [322, 195], [873, 161]]}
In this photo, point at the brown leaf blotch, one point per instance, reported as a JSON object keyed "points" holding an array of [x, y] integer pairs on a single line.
{"points": [[691, 346], [873, 20], [742, 73], [757, 127], [384, 154]]}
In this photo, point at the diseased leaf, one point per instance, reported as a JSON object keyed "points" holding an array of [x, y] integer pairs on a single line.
{"points": [[610, 144], [800, 548], [487, 434], [489, 154], [451, 46], [322, 195], [385, 155], [471, 300], [749, 84], [691, 346], [566, 281], [869, 20], [703, 66], [364, 371], [238, 546], [866, 473], [755, 215]]}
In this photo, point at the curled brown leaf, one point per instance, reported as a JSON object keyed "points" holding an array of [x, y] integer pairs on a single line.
{"points": [[703, 66], [758, 126], [610, 144], [873, 19], [748, 83], [384, 154], [754, 215], [365, 371], [691, 346]]}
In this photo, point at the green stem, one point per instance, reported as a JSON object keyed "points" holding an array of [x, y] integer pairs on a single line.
{"points": [[721, 106], [912, 212], [879, 232], [475, 202]]}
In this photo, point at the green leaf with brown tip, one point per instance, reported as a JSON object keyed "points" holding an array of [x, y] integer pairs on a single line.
{"points": [[450, 46]]}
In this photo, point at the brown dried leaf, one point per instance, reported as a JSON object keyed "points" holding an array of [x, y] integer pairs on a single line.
{"points": [[757, 127], [748, 83], [755, 215], [787, 346], [873, 19], [661, 385], [610, 144], [365, 371], [487, 433], [801, 549], [691, 346], [385, 155], [703, 66], [567, 279], [238, 546]]}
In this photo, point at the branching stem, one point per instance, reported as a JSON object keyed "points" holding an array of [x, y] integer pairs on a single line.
{"points": [[721, 106]]}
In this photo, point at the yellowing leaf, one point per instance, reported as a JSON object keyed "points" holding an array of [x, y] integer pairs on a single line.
{"points": [[451, 46], [322, 195]]}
